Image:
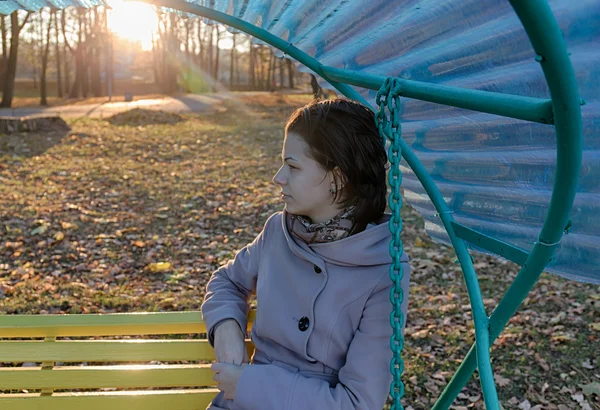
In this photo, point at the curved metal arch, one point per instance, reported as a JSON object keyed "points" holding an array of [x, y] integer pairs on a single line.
{"points": [[548, 43], [546, 38]]}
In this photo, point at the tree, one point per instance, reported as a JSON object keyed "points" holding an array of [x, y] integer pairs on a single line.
{"points": [[209, 66], [4, 59], [216, 71], [232, 62], [317, 90], [252, 66], [202, 48], [59, 89], [45, 48], [281, 73], [11, 66], [63, 23], [271, 72], [79, 52], [95, 52], [290, 73]]}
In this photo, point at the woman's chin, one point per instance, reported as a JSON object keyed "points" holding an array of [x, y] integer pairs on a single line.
{"points": [[290, 208]]}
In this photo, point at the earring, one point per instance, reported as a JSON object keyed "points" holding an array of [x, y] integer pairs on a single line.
{"points": [[332, 190]]}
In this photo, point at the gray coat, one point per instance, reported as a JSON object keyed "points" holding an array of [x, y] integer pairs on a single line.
{"points": [[322, 331]]}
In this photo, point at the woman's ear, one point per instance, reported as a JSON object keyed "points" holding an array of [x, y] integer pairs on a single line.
{"points": [[339, 177]]}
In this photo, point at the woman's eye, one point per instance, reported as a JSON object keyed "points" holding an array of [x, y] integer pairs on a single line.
{"points": [[292, 167]]}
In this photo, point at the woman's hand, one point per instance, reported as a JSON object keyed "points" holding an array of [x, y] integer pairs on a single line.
{"points": [[230, 346], [227, 376]]}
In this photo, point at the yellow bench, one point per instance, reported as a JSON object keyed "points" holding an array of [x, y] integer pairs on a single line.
{"points": [[125, 373]]}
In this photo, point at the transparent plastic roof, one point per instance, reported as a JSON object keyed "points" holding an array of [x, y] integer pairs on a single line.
{"points": [[495, 173]]}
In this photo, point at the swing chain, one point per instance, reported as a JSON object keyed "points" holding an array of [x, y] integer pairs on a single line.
{"points": [[390, 129]]}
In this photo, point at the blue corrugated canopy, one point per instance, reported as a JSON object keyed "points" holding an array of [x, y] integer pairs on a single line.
{"points": [[496, 173]]}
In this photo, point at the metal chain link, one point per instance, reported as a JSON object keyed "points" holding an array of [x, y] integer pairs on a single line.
{"points": [[390, 129]]}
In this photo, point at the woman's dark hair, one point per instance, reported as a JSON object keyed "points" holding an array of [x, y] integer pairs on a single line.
{"points": [[342, 133]]}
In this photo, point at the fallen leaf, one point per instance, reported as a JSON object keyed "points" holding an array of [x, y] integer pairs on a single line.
{"points": [[419, 243], [159, 266], [591, 388], [587, 364], [39, 230], [525, 405], [578, 397], [501, 381], [59, 236], [68, 225]]}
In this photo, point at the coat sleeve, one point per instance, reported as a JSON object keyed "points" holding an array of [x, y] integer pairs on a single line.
{"points": [[230, 286], [364, 380]]}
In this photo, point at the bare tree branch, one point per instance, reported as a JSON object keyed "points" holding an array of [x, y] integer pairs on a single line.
{"points": [[24, 21]]}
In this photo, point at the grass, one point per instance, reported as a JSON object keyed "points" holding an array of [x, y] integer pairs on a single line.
{"points": [[85, 214]]}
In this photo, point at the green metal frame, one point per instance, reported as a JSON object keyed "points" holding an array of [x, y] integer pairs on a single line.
{"points": [[562, 110]]}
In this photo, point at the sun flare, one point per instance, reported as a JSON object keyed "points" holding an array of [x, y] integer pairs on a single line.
{"points": [[133, 21]]}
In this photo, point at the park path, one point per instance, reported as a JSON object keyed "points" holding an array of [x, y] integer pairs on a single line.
{"points": [[177, 104]]}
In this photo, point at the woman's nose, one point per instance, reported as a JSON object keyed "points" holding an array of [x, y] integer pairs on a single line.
{"points": [[278, 178]]}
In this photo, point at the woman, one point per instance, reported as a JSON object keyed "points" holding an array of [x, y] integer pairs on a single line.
{"points": [[320, 271]]}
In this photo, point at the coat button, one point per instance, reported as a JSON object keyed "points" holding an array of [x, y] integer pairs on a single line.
{"points": [[303, 324], [317, 269]]}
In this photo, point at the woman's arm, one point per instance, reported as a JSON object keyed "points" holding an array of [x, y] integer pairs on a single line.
{"points": [[230, 286], [363, 381]]}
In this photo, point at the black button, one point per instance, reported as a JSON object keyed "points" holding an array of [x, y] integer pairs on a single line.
{"points": [[317, 269], [303, 324]]}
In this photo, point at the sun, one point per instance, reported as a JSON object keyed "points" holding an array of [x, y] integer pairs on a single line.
{"points": [[133, 21]]}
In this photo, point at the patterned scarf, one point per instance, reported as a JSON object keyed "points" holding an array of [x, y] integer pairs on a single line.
{"points": [[338, 227]]}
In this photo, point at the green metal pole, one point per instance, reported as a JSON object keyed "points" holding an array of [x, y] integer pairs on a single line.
{"points": [[547, 41], [507, 105]]}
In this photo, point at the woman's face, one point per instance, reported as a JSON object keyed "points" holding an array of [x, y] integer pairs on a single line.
{"points": [[304, 183]]}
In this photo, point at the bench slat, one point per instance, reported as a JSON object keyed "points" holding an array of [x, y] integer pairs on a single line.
{"points": [[112, 324], [107, 351], [98, 377], [130, 400]]}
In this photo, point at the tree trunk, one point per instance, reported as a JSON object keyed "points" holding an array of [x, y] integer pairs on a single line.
{"points": [[261, 68], [77, 88], [96, 82], [231, 63], [258, 69], [59, 91], [160, 52], [65, 55], [173, 53], [85, 57], [4, 59], [217, 54], [271, 75], [187, 39], [34, 47], [155, 59], [237, 68], [281, 73], [209, 66], [201, 42], [107, 87], [317, 90], [290, 73], [46, 45], [11, 65], [252, 65]]}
